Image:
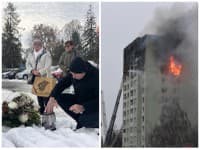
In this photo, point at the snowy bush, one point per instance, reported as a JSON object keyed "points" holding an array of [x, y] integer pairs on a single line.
{"points": [[20, 111]]}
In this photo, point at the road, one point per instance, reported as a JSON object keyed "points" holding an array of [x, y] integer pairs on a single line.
{"points": [[16, 85]]}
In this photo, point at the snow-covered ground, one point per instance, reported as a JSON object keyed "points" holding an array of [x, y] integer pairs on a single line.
{"points": [[14, 80], [35, 136]]}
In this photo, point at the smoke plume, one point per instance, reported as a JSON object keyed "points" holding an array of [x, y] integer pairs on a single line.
{"points": [[178, 27]]}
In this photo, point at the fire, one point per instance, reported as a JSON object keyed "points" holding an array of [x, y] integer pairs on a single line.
{"points": [[174, 68]]}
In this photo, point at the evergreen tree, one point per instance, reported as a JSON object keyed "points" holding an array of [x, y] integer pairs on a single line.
{"points": [[70, 28], [77, 42], [11, 45], [90, 38], [57, 52]]}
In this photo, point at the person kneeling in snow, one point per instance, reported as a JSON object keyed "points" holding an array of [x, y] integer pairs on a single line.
{"points": [[83, 106]]}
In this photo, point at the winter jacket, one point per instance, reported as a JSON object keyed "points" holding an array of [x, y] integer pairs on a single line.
{"points": [[86, 89], [65, 60], [43, 66]]}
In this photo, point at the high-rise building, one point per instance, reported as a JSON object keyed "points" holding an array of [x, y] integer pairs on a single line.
{"points": [[159, 99]]}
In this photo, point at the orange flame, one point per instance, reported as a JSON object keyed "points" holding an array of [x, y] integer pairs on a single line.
{"points": [[174, 68]]}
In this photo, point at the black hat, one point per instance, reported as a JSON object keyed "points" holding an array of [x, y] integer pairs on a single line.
{"points": [[77, 65]]}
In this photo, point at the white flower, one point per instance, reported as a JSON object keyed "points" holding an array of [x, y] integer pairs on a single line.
{"points": [[36, 107], [12, 105], [23, 118]]}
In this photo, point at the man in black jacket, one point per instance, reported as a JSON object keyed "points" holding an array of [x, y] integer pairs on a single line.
{"points": [[83, 106]]}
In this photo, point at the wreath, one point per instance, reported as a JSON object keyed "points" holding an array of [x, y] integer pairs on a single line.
{"points": [[20, 111]]}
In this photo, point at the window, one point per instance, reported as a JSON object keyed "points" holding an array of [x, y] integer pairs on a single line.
{"points": [[131, 92], [124, 96], [124, 130], [134, 82], [135, 137], [174, 90], [124, 104], [131, 83], [124, 140], [131, 110], [131, 101], [125, 122], [134, 91], [124, 113], [132, 75], [131, 129], [143, 118], [164, 90], [135, 100], [142, 90], [131, 68], [163, 80]]}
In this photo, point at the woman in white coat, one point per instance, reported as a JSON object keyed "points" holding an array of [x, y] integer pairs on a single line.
{"points": [[39, 63]]}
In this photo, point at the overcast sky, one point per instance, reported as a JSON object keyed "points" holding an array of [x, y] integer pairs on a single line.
{"points": [[56, 14], [121, 24]]}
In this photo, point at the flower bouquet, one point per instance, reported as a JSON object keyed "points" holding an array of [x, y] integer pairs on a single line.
{"points": [[20, 111]]}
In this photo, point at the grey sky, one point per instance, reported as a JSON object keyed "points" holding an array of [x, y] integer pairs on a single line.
{"points": [[121, 23], [56, 14]]}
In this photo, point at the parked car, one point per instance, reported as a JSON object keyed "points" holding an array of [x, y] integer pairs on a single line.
{"points": [[11, 74], [5, 74], [22, 75]]}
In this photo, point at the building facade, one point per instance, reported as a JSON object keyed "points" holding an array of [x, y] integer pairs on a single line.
{"points": [[133, 109], [155, 100]]}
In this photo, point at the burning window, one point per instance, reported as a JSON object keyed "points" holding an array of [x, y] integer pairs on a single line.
{"points": [[173, 67]]}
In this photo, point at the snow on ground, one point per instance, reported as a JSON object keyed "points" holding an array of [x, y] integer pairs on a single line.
{"points": [[14, 80], [39, 137], [35, 136]]}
